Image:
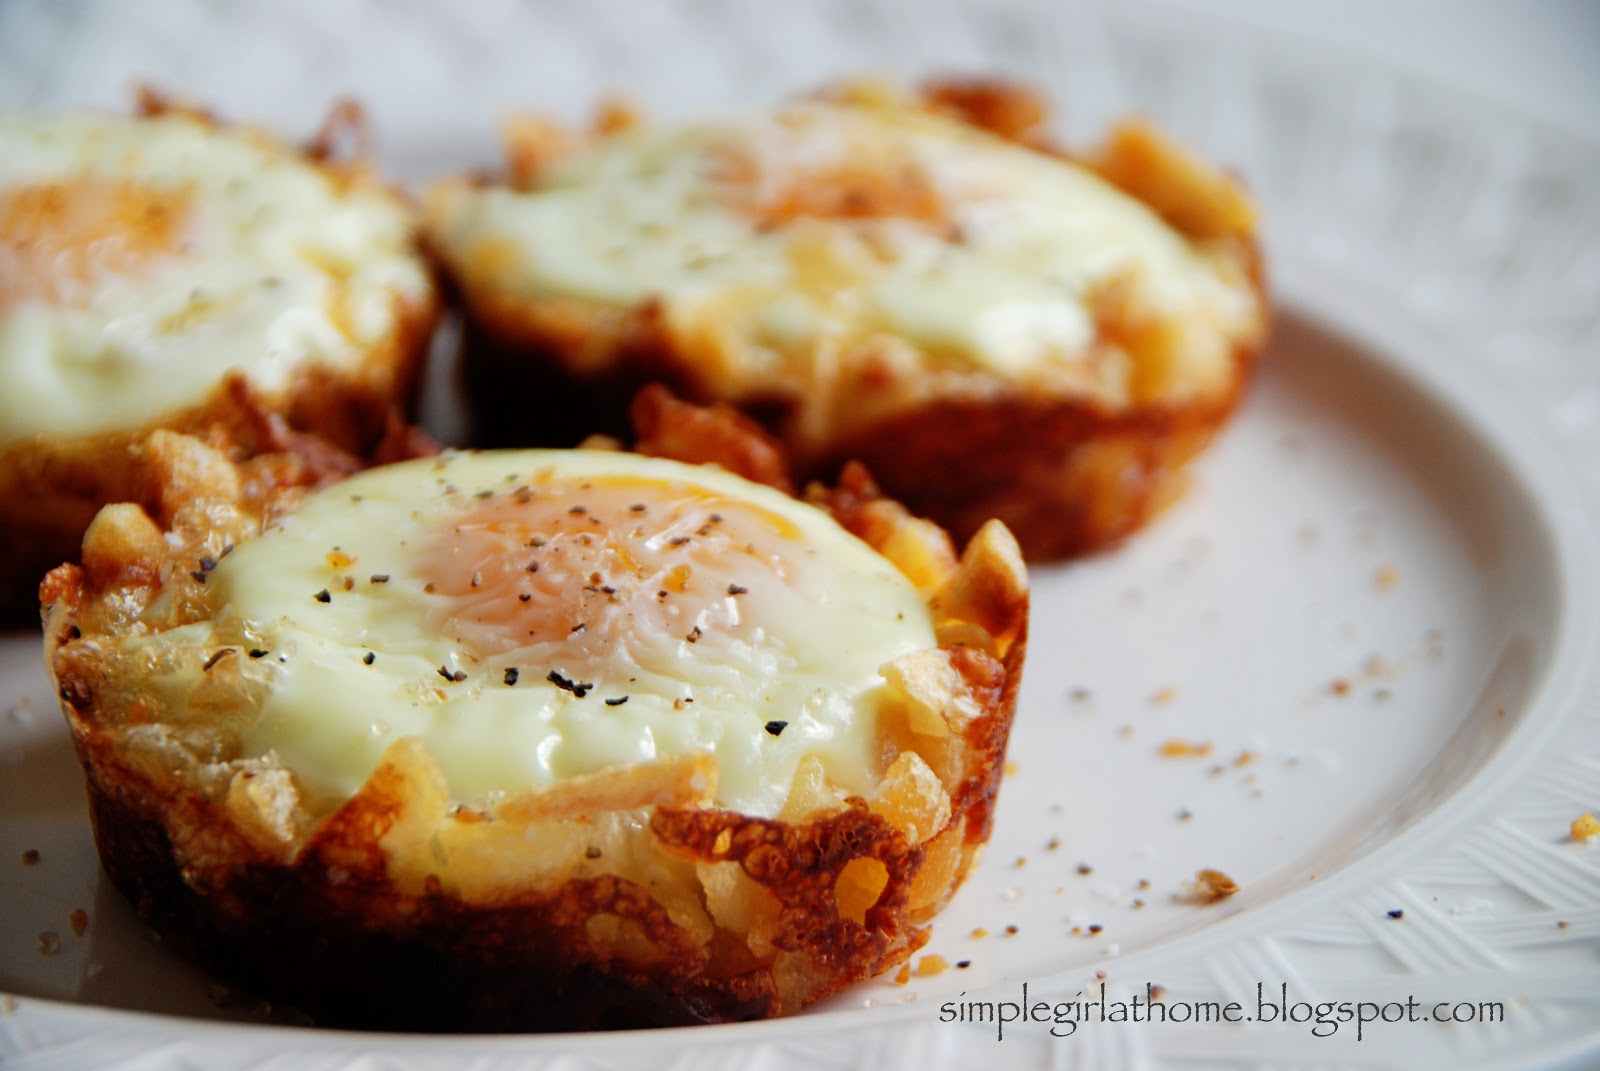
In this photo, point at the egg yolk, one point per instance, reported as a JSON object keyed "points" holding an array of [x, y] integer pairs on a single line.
{"points": [[582, 575], [62, 241], [871, 185]]}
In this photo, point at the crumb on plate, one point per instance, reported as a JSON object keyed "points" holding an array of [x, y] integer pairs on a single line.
{"points": [[1211, 886]]}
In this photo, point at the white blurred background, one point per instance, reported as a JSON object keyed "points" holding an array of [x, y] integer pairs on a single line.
{"points": [[415, 61]]}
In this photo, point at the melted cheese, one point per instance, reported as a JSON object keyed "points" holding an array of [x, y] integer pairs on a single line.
{"points": [[827, 225], [535, 615], [140, 260]]}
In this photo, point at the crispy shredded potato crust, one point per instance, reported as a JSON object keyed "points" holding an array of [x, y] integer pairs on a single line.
{"points": [[1069, 471], [51, 487], [620, 898]]}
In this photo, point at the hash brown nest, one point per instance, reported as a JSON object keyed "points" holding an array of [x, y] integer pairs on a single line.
{"points": [[1072, 463], [620, 898], [51, 486]]}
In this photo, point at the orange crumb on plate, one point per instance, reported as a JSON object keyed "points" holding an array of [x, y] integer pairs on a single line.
{"points": [[1213, 885]]}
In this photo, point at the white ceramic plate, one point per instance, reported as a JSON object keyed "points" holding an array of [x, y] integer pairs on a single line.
{"points": [[1376, 608]]}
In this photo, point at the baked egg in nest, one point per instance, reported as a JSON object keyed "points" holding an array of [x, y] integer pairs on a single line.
{"points": [[146, 260], [921, 282], [534, 739]]}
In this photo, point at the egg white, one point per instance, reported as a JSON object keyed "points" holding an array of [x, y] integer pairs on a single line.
{"points": [[1002, 284], [269, 249], [815, 616]]}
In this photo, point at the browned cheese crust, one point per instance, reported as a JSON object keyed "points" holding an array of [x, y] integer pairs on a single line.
{"points": [[1067, 473], [619, 898], [52, 486]]}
